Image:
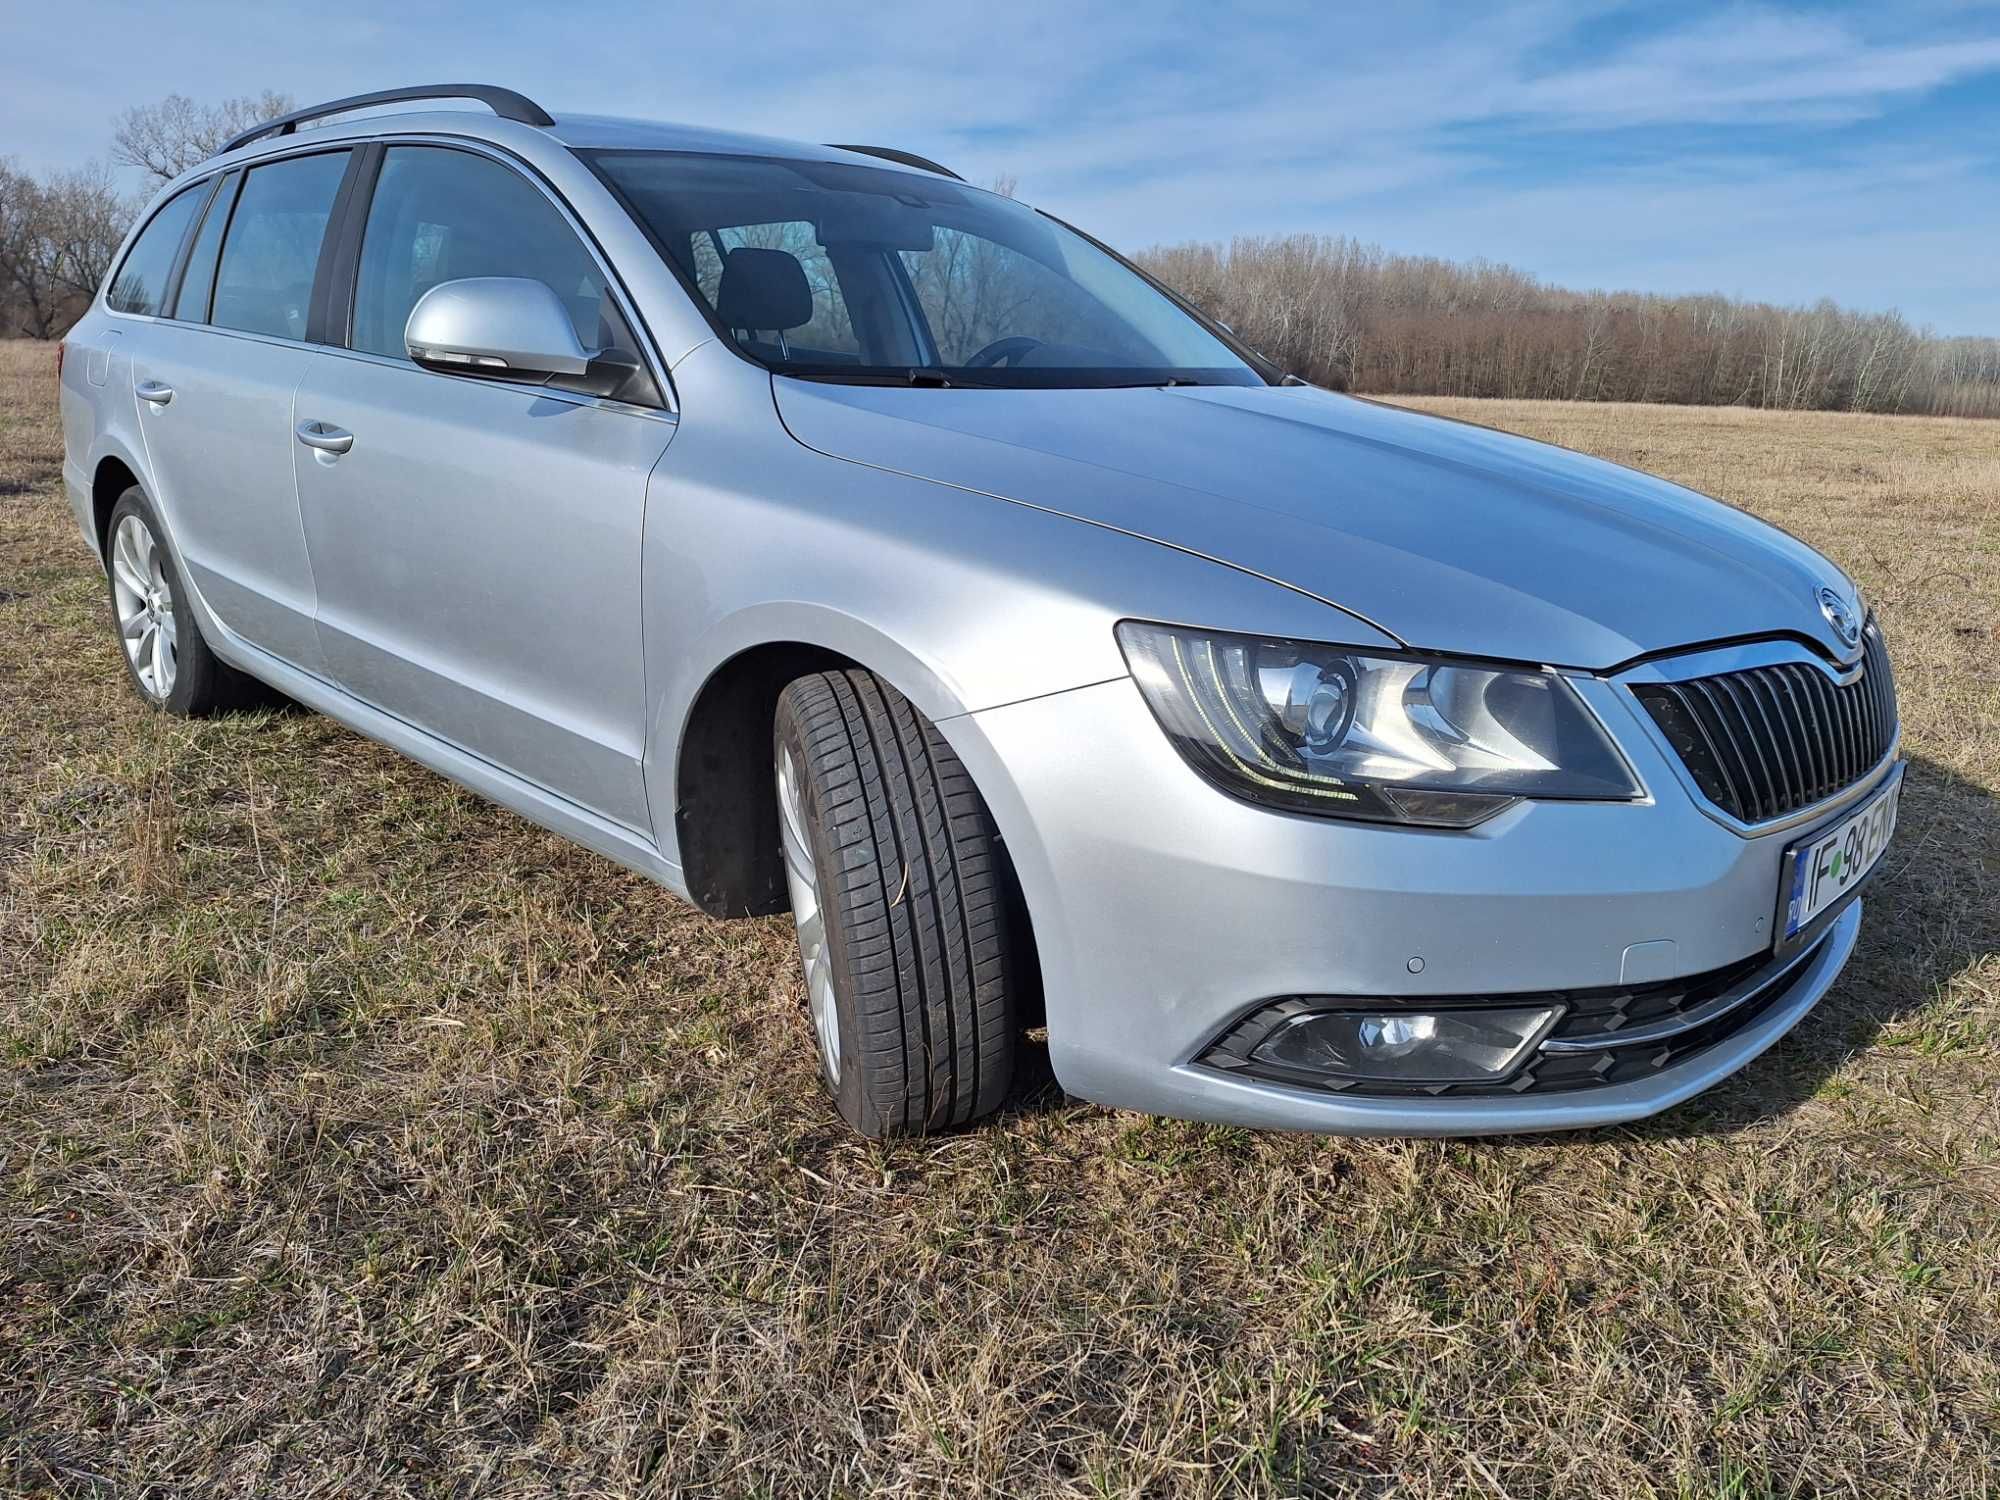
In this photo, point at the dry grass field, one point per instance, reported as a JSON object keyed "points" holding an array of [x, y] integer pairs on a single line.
{"points": [[358, 1138]]}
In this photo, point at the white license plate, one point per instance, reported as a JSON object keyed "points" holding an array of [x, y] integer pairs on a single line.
{"points": [[1821, 870]]}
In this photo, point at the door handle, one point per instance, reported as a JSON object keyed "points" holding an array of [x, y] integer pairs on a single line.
{"points": [[156, 391], [327, 439]]}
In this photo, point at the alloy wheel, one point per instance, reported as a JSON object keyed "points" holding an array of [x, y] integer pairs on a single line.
{"points": [[802, 877], [145, 607]]}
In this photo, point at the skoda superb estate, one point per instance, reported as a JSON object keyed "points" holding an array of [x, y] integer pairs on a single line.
{"points": [[810, 531]]}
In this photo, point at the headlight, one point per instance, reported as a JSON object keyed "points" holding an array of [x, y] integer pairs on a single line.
{"points": [[1405, 739]]}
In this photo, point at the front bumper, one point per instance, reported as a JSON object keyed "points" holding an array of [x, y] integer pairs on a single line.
{"points": [[1163, 910]]}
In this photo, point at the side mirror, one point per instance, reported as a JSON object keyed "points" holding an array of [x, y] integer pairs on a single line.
{"points": [[511, 327]]}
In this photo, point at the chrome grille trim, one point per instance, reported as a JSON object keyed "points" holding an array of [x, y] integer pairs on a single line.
{"points": [[1768, 741], [1733, 998]]}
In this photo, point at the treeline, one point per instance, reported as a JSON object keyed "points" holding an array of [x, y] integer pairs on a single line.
{"points": [[57, 236], [1326, 307], [59, 230], [1355, 317]]}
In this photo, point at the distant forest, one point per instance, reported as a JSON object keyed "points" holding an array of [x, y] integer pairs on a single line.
{"points": [[1355, 317], [1328, 308]]}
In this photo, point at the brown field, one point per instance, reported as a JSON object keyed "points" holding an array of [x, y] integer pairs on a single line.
{"points": [[358, 1138]]}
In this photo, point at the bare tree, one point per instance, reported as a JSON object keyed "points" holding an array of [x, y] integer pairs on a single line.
{"points": [[27, 298], [57, 238], [1351, 316], [85, 219], [167, 138]]}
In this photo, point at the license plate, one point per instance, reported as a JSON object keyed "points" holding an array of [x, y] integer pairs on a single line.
{"points": [[1819, 871]]}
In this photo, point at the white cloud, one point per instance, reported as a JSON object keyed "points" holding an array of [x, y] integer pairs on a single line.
{"points": [[1546, 133]]}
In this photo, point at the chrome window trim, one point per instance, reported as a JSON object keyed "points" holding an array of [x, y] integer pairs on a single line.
{"points": [[648, 349], [1720, 659]]}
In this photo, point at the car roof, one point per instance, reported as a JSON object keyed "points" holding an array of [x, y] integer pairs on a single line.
{"points": [[578, 132], [602, 132]]}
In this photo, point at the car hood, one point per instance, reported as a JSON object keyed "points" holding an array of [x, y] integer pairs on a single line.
{"points": [[1446, 535]]}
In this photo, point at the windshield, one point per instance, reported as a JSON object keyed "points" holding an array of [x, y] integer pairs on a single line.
{"points": [[865, 274]]}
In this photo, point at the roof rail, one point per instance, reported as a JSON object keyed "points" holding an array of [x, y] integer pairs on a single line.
{"points": [[905, 158], [505, 103]]}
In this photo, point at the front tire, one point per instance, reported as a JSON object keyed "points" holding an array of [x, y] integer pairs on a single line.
{"points": [[900, 898], [166, 657]]}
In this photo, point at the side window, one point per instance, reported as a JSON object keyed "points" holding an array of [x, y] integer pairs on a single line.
{"points": [[442, 215], [141, 280], [264, 282], [198, 280]]}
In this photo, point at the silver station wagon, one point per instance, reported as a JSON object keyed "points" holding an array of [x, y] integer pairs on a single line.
{"points": [[808, 530]]}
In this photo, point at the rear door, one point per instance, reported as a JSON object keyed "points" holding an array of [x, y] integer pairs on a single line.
{"points": [[214, 374], [476, 546]]}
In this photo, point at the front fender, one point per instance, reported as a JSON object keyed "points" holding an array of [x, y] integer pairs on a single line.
{"points": [[926, 683], [961, 601], [953, 634]]}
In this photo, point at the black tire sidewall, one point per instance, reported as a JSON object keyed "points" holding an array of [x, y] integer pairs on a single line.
{"points": [[849, 1090]]}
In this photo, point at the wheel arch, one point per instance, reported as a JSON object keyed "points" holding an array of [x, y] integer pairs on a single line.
{"points": [[725, 807], [725, 812], [108, 481]]}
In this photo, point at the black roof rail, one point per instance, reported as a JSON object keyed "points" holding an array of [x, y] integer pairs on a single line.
{"points": [[905, 158], [505, 103]]}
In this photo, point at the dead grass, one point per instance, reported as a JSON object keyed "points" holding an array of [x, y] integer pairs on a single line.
{"points": [[356, 1137]]}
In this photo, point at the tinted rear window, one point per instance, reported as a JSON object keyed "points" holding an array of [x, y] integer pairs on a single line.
{"points": [[264, 283], [191, 303], [142, 280]]}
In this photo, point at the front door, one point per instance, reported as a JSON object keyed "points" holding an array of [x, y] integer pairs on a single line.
{"points": [[475, 543]]}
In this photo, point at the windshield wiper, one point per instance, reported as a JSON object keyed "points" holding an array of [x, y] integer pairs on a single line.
{"points": [[926, 376]]}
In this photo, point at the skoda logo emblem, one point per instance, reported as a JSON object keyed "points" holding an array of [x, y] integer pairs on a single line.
{"points": [[1840, 617]]}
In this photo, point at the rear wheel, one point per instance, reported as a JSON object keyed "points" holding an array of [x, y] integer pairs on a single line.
{"points": [[899, 895], [169, 662]]}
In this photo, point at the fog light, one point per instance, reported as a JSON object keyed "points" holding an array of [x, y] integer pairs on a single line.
{"points": [[1404, 1046]]}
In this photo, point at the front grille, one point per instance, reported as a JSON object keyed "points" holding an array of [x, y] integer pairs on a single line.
{"points": [[1592, 1028], [1768, 741]]}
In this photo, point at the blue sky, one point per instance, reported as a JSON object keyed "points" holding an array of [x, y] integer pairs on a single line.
{"points": [[1780, 152]]}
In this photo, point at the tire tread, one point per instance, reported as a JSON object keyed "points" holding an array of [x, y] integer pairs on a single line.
{"points": [[913, 885]]}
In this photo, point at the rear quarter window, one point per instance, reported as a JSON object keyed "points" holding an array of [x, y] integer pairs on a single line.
{"points": [[140, 282]]}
